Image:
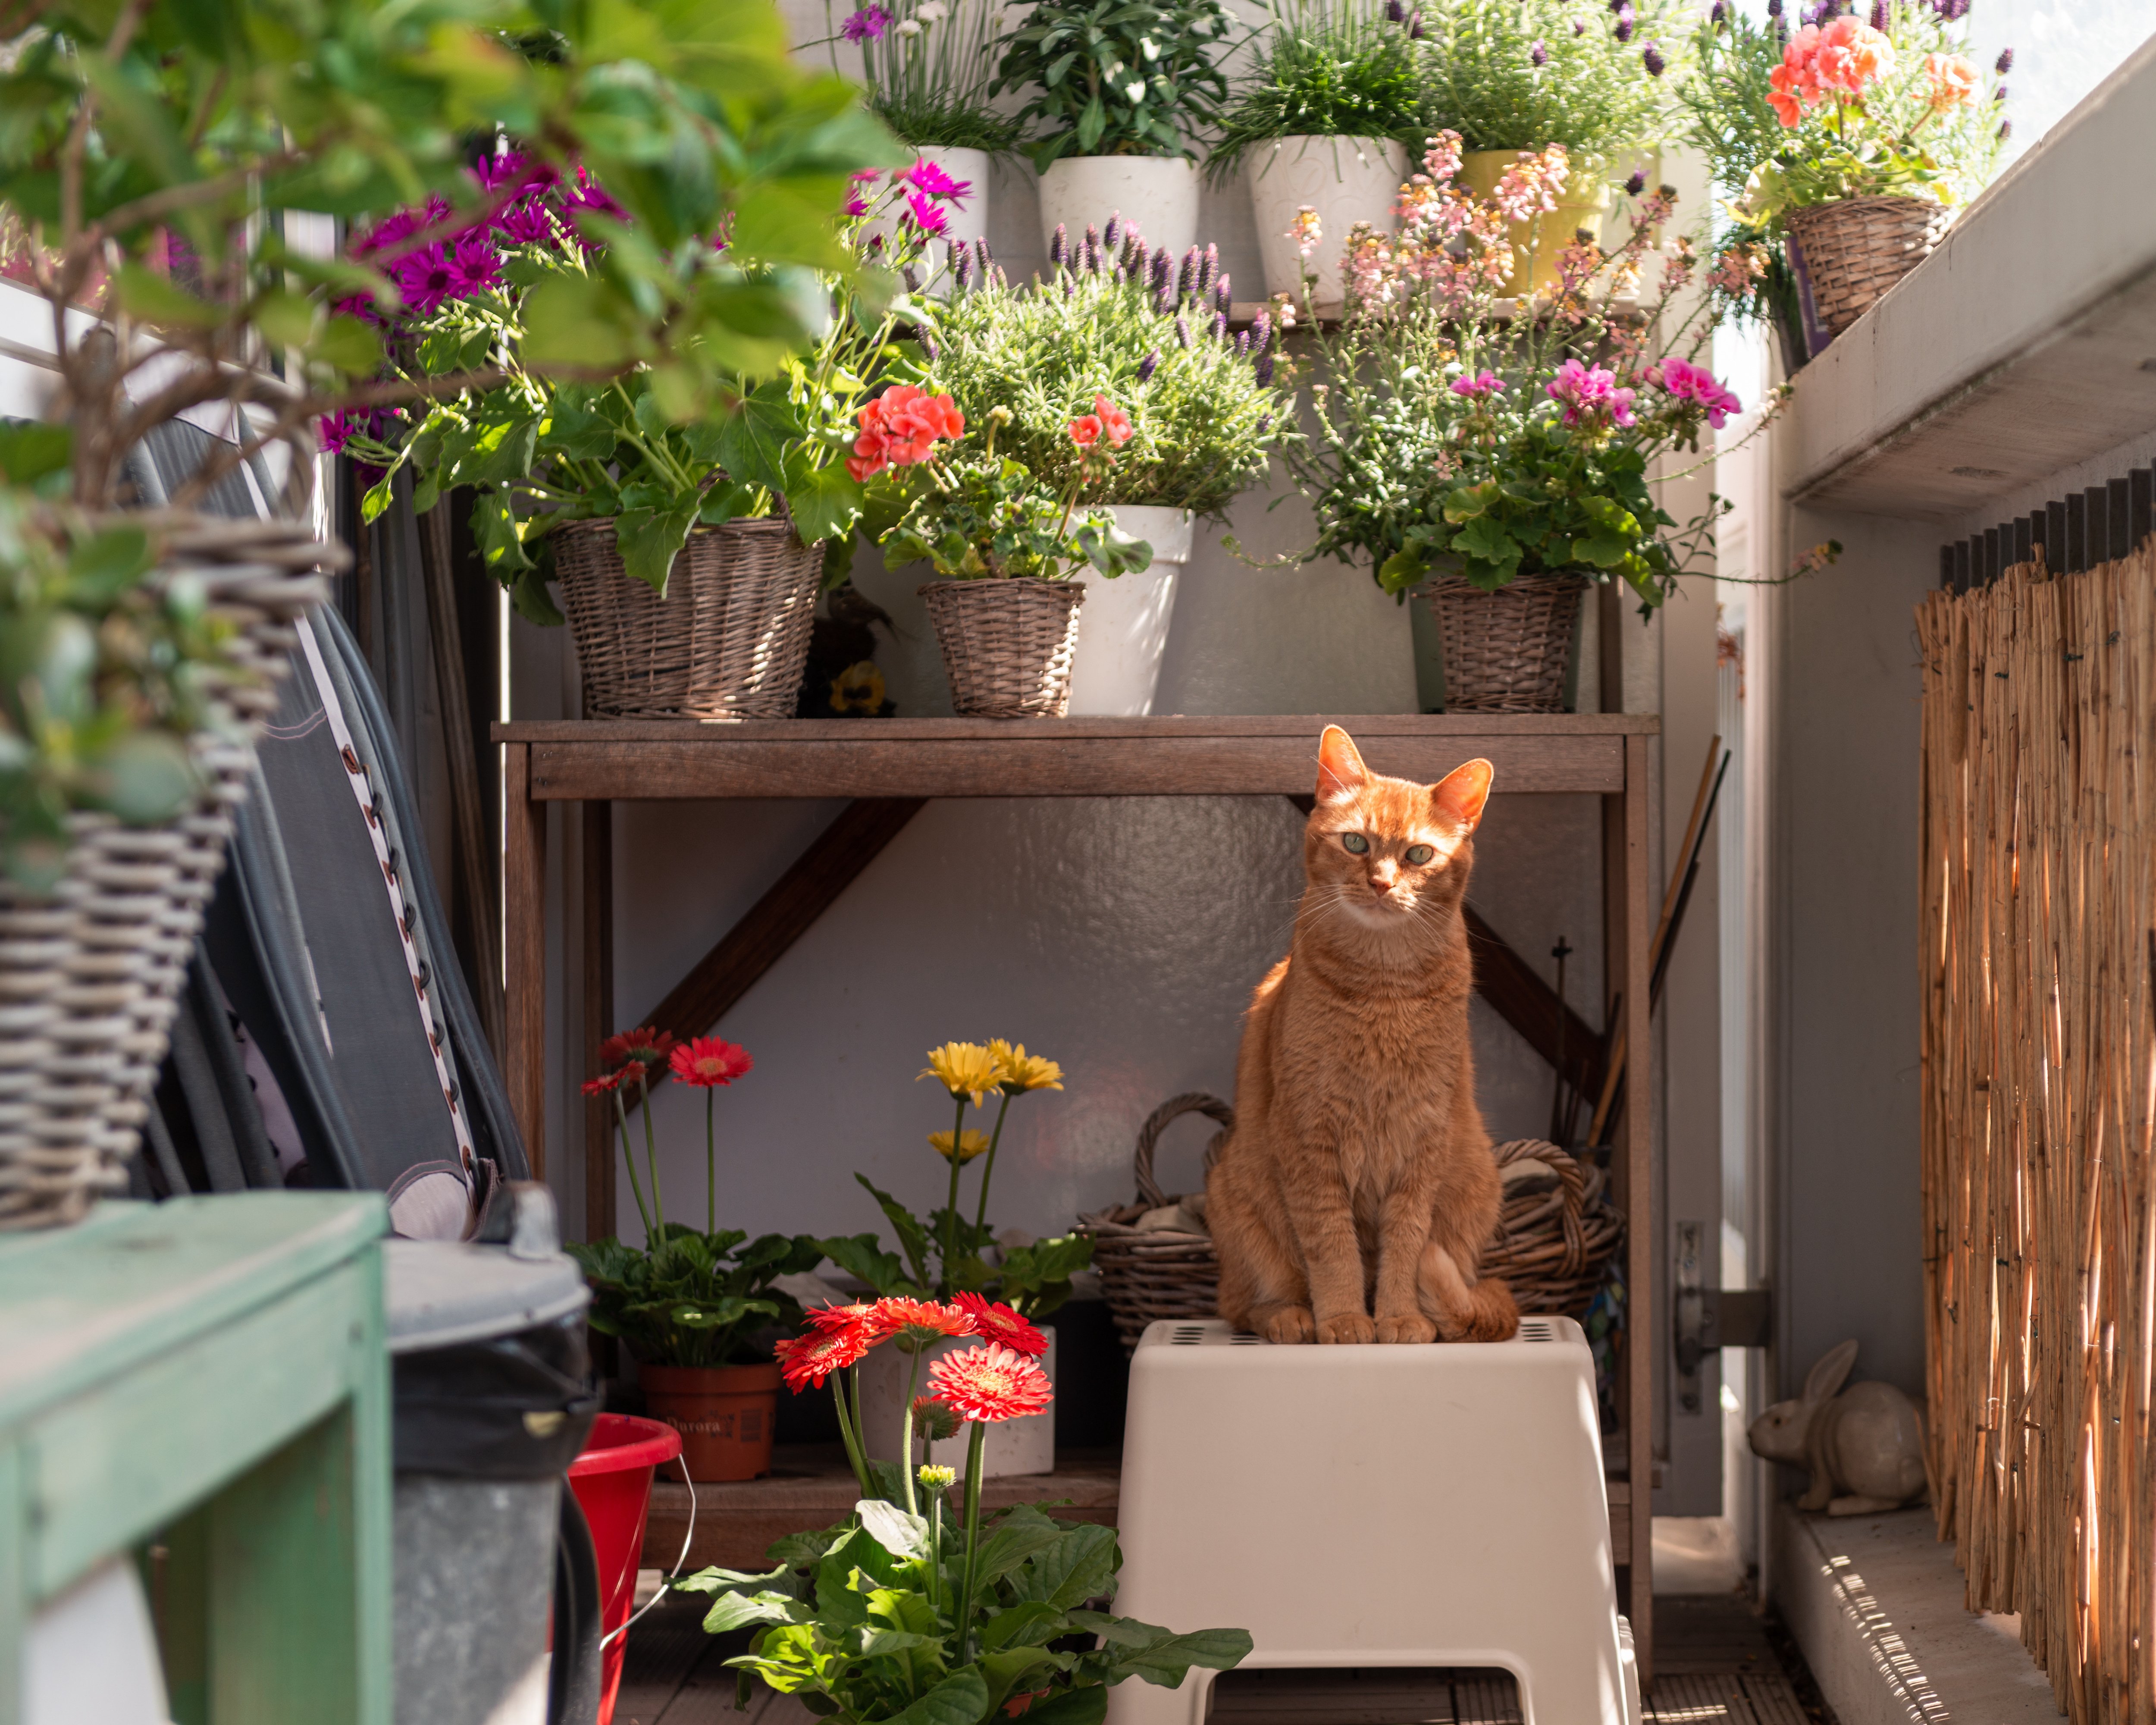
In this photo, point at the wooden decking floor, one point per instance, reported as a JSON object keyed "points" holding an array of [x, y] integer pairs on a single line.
{"points": [[1715, 1666]]}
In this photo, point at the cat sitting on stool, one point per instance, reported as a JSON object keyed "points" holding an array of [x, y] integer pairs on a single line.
{"points": [[1355, 1198]]}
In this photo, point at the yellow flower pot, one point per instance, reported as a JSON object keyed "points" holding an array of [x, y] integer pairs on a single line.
{"points": [[1536, 245]]}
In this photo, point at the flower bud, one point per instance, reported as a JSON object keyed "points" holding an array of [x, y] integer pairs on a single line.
{"points": [[1059, 248], [2005, 61], [937, 1479], [1636, 183], [1148, 366], [1650, 57], [1219, 325], [1539, 55], [1183, 333]]}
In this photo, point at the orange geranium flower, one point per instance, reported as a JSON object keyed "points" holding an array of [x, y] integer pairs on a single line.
{"points": [[705, 1062], [990, 1385], [1953, 80], [994, 1321], [1085, 430]]}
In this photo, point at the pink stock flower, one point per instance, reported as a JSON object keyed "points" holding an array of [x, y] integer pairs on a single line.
{"points": [[1479, 387]]}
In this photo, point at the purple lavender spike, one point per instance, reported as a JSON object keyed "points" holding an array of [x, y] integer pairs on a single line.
{"points": [[1206, 270], [1222, 300], [1059, 248], [1219, 325], [1183, 333], [1262, 335], [1186, 279], [2005, 61], [1111, 234], [929, 349], [1148, 366], [961, 266], [1242, 344], [1265, 369]]}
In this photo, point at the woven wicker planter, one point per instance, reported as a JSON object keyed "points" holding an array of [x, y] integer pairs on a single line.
{"points": [[1552, 1246], [1007, 644], [1853, 250], [1507, 651], [727, 641], [91, 974]]}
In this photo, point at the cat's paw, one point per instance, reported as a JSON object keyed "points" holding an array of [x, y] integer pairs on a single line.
{"points": [[1290, 1324], [1349, 1327], [1410, 1327]]}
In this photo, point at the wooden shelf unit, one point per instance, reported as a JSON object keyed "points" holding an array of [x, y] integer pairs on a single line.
{"points": [[890, 765]]}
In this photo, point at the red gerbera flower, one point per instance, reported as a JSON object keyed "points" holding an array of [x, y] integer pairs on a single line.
{"points": [[644, 1046], [705, 1062], [600, 1085], [827, 1318], [994, 1321], [990, 1385], [919, 1321], [808, 1360]]}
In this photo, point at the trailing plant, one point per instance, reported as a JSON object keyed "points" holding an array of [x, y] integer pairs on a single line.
{"points": [[1522, 75], [906, 1611], [540, 450], [1340, 69], [948, 1254], [1457, 435], [1208, 407], [687, 1296], [1116, 77], [926, 64]]}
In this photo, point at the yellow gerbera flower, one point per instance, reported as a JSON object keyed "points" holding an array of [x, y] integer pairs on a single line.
{"points": [[1023, 1071], [965, 1069], [970, 1144]]}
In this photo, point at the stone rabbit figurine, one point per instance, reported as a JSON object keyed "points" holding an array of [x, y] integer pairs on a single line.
{"points": [[1865, 1447]]}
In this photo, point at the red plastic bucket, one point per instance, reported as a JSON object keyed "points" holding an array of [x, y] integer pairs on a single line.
{"points": [[612, 1479]]}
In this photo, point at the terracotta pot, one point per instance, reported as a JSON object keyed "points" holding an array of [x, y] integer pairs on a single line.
{"points": [[723, 1413]]}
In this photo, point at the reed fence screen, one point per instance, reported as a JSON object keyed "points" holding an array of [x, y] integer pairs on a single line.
{"points": [[2038, 919]]}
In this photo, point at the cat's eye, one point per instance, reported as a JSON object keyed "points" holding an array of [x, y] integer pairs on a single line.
{"points": [[1419, 854], [1355, 843]]}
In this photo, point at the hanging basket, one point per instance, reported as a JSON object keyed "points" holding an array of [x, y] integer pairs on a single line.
{"points": [[1857, 248], [1507, 651], [90, 972], [727, 641], [1006, 643]]}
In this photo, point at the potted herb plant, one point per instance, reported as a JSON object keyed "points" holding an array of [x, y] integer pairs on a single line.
{"points": [[1118, 89], [1846, 146], [1499, 464], [908, 1612], [1200, 410], [1322, 118], [689, 1302], [951, 1256], [1511, 76]]}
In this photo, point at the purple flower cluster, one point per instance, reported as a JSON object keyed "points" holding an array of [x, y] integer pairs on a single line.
{"points": [[866, 25]]}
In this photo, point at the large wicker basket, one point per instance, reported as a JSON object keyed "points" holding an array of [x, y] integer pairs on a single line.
{"points": [[91, 973], [1007, 644], [1552, 1246], [727, 641], [1853, 250], [1507, 651]]}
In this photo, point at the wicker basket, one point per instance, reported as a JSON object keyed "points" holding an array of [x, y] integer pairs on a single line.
{"points": [[727, 641], [1856, 248], [1552, 1246], [1507, 651], [1007, 644], [91, 974]]}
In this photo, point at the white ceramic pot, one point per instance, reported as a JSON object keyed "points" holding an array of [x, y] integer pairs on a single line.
{"points": [[1013, 1446], [1122, 626], [967, 219], [1345, 180], [1158, 192]]}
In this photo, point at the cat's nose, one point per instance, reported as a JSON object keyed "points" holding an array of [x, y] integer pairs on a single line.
{"points": [[1381, 883]]}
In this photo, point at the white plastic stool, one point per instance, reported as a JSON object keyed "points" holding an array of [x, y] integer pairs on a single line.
{"points": [[1375, 1505]]}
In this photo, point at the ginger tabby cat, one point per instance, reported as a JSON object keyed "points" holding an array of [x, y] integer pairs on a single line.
{"points": [[1353, 1201]]}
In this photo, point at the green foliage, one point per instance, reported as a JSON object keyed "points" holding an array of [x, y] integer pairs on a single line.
{"points": [[1206, 419], [869, 1621], [948, 1252], [1593, 92], [102, 666], [992, 517], [933, 124], [927, 75], [1338, 68], [692, 1299], [1116, 77]]}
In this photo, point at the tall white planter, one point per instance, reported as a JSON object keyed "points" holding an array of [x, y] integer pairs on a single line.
{"points": [[1122, 626], [1345, 180], [968, 220], [1013, 1446], [1158, 192]]}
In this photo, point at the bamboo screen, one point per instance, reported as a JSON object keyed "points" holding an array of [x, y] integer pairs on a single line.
{"points": [[2039, 918]]}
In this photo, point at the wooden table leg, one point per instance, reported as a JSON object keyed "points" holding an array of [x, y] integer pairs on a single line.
{"points": [[598, 1011], [1639, 1318], [524, 954]]}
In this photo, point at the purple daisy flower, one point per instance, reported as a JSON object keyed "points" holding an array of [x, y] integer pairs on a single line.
{"points": [[929, 176], [866, 25]]}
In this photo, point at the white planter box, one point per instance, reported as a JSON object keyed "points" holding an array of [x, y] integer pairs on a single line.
{"points": [[1122, 626], [1013, 1446], [1345, 180], [1158, 192]]}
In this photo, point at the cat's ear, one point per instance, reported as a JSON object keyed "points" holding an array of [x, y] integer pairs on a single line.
{"points": [[1458, 798], [1340, 770]]}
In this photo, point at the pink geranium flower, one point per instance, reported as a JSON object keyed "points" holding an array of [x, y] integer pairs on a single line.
{"points": [[1479, 388]]}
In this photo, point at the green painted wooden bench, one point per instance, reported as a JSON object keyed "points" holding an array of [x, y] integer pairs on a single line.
{"points": [[209, 1373]]}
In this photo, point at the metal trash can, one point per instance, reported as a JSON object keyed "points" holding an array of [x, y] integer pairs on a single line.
{"points": [[494, 1398]]}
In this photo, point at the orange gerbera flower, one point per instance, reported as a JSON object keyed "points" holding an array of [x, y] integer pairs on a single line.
{"points": [[600, 1085], [705, 1062], [646, 1045], [990, 1385], [807, 1361], [918, 1321], [994, 1321]]}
